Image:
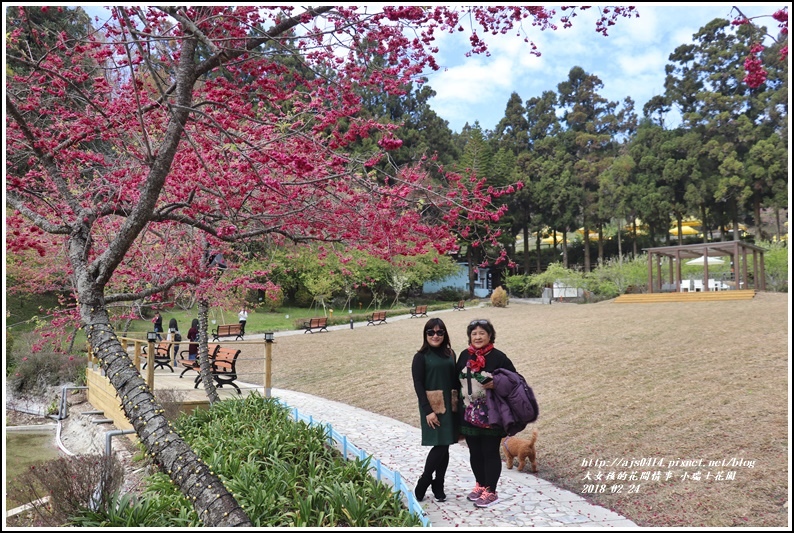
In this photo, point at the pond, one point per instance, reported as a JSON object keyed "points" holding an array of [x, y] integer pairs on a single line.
{"points": [[25, 448]]}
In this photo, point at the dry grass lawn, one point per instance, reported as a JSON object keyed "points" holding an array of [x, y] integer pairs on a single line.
{"points": [[674, 381]]}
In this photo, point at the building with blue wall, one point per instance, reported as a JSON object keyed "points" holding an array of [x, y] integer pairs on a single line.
{"points": [[483, 281]]}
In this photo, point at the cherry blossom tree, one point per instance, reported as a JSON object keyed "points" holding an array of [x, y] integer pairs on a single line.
{"points": [[754, 63], [143, 152]]}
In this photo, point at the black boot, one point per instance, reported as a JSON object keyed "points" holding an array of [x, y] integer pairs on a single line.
{"points": [[438, 489], [421, 487]]}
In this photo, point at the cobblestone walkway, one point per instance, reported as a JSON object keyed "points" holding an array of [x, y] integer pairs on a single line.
{"points": [[524, 499]]}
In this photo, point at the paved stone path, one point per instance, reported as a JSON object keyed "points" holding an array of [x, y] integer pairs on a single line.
{"points": [[524, 499]]}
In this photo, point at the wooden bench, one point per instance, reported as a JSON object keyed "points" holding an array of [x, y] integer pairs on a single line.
{"points": [[228, 330], [193, 364], [319, 324], [224, 367], [418, 311], [460, 306], [378, 317], [162, 357]]}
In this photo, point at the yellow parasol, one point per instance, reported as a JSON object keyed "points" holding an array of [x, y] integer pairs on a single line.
{"points": [[691, 222], [685, 230]]}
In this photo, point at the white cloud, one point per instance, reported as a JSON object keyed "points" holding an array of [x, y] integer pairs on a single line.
{"points": [[650, 62], [629, 62]]}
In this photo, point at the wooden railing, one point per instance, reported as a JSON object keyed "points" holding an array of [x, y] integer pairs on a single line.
{"points": [[137, 356]]}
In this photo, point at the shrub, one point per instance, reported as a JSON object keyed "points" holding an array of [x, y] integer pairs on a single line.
{"points": [[34, 372], [303, 298], [521, 286], [516, 284], [451, 294], [72, 483], [142, 512], [9, 346], [556, 272], [776, 266], [273, 299], [499, 297], [613, 278]]}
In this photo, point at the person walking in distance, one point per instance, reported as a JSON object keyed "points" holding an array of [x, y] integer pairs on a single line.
{"points": [[242, 316], [157, 322], [173, 329], [192, 336], [437, 390]]}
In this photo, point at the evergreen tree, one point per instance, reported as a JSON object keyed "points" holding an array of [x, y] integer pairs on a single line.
{"points": [[512, 130], [729, 119], [592, 126]]}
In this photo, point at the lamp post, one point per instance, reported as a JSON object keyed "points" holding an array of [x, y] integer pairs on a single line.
{"points": [[268, 353], [151, 337]]}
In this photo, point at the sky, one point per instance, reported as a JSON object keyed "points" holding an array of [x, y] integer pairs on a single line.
{"points": [[629, 62]]}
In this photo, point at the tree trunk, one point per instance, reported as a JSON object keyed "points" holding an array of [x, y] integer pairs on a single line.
{"points": [[565, 248], [470, 258], [779, 231], [759, 235], [215, 505], [586, 247], [205, 369], [601, 244]]}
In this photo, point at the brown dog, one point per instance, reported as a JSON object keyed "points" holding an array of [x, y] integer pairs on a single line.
{"points": [[523, 449]]}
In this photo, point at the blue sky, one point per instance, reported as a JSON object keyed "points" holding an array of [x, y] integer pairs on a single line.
{"points": [[629, 62]]}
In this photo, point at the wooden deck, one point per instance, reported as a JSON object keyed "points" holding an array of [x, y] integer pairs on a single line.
{"points": [[103, 397], [707, 296]]}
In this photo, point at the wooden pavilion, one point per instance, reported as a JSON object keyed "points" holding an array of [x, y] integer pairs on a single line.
{"points": [[736, 250]]}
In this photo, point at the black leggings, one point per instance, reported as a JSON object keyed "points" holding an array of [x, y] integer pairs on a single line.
{"points": [[486, 463], [437, 461]]}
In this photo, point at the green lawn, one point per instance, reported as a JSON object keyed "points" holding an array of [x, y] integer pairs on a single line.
{"points": [[260, 321], [21, 309]]}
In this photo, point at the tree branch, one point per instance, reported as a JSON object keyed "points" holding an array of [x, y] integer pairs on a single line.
{"points": [[132, 296], [17, 203], [46, 159]]}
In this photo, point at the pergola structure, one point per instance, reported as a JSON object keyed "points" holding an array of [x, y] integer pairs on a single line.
{"points": [[736, 250]]}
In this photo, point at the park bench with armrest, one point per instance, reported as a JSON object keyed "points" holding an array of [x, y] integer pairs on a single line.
{"points": [[460, 306], [378, 317], [418, 311], [228, 330], [320, 324], [193, 364], [223, 365], [162, 357]]}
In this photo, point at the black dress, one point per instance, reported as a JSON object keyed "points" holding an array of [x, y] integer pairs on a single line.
{"points": [[436, 384]]}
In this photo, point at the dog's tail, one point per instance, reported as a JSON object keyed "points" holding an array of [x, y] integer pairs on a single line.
{"points": [[534, 437]]}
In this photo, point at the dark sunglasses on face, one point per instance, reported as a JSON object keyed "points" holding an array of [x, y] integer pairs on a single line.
{"points": [[435, 332], [478, 323]]}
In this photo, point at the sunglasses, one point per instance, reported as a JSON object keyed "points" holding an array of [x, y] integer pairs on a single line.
{"points": [[435, 332], [480, 322]]}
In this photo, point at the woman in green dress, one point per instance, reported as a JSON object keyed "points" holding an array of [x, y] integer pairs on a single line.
{"points": [[438, 391]]}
